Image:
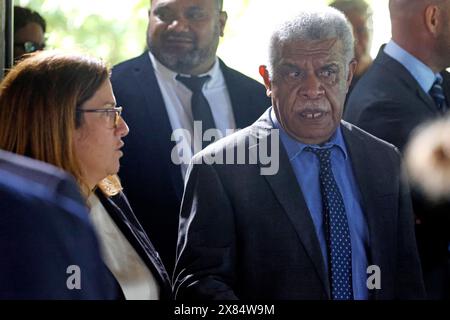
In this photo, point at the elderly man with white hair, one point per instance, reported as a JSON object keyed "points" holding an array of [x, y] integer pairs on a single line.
{"points": [[333, 222]]}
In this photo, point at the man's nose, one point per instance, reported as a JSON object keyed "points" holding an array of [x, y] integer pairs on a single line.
{"points": [[179, 25], [312, 88]]}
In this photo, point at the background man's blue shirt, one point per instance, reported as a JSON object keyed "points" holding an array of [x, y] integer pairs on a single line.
{"points": [[421, 72]]}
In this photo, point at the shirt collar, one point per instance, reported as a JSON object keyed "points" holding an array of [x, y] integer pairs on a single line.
{"points": [[170, 76], [420, 71], [295, 147]]}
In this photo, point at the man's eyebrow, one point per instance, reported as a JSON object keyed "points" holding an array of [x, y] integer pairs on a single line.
{"points": [[289, 65], [331, 64], [161, 8]]}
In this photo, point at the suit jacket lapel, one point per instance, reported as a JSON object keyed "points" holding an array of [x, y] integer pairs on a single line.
{"points": [[446, 85], [427, 100], [156, 114], [286, 189], [397, 69], [238, 96], [373, 187], [123, 216]]}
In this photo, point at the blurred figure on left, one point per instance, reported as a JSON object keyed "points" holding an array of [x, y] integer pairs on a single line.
{"points": [[48, 245], [60, 108], [29, 32]]}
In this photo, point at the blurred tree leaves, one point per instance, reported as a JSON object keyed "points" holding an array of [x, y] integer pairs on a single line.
{"points": [[115, 30], [88, 26]]}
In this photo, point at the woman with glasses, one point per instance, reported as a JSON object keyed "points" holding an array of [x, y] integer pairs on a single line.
{"points": [[29, 32], [60, 109]]}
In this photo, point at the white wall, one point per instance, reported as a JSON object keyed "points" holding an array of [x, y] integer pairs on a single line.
{"points": [[244, 46]]}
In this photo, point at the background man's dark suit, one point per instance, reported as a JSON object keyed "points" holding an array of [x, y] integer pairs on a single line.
{"points": [[250, 236], [44, 229], [389, 103], [152, 182]]}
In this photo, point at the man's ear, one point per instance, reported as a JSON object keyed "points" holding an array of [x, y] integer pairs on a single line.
{"points": [[351, 71], [266, 77], [223, 17], [433, 17]]}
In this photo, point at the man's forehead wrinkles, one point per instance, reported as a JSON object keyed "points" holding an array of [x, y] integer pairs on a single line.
{"points": [[301, 52], [310, 48], [314, 44], [300, 58]]}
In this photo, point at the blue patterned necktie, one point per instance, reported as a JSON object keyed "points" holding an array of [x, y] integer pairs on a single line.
{"points": [[437, 93], [337, 232]]}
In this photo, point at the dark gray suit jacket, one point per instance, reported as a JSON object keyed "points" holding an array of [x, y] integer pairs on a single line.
{"points": [[152, 182], [389, 103], [248, 236]]}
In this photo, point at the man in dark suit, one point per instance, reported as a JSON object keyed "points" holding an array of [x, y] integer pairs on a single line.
{"points": [[402, 90], [161, 106], [333, 217], [47, 244]]}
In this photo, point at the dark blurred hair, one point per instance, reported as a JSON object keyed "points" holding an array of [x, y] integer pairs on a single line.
{"points": [[24, 16], [38, 102]]}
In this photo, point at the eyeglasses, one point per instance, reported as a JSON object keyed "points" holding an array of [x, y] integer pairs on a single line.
{"points": [[30, 46], [113, 115]]}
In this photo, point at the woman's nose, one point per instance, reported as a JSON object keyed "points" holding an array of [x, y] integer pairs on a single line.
{"points": [[122, 128]]}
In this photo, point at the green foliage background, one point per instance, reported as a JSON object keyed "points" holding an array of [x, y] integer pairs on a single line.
{"points": [[115, 30], [112, 38]]}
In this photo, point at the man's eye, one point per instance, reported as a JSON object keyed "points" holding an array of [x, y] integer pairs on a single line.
{"points": [[294, 74], [196, 15], [327, 73], [165, 16]]}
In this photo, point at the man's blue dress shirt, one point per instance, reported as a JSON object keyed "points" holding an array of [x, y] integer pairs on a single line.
{"points": [[306, 168]]}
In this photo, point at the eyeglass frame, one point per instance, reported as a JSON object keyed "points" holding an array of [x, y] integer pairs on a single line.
{"points": [[30, 46], [116, 110]]}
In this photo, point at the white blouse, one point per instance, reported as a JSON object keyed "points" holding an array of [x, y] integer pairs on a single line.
{"points": [[135, 279]]}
